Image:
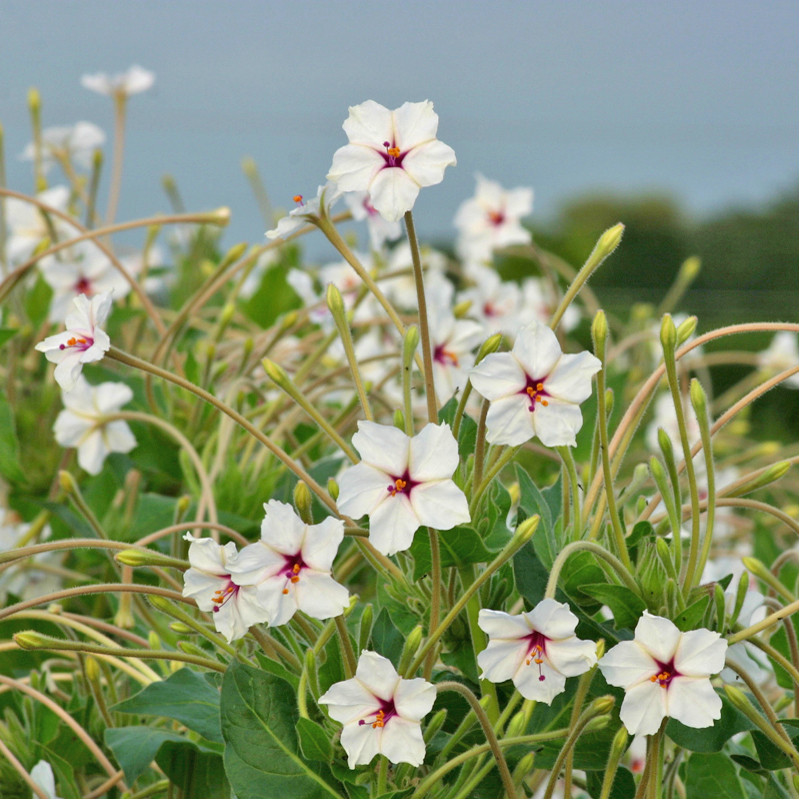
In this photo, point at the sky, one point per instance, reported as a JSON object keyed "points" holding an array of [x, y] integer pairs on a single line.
{"points": [[696, 99]]}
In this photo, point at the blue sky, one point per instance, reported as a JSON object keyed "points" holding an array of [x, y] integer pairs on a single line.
{"points": [[698, 99]]}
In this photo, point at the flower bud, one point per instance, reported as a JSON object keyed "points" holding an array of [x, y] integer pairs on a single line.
{"points": [[686, 329], [333, 298], [769, 475], [92, 669], [602, 705], [741, 592], [489, 346], [179, 627], [619, 744], [154, 640], [600, 334], [433, 727], [276, 373], [719, 604], [525, 531], [399, 420], [597, 723], [233, 255], [161, 603], [669, 336], [410, 648], [461, 309], [219, 216], [365, 626], [609, 240], [191, 649], [689, 269], [698, 397], [333, 489], [67, 482], [600, 648], [524, 766], [739, 700], [517, 725], [34, 100], [410, 343], [665, 443], [148, 558], [302, 502], [30, 640]]}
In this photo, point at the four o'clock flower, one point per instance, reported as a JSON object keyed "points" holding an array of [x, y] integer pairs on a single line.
{"points": [[538, 649], [402, 483], [81, 424], [666, 673], [305, 211], [381, 712], [391, 155], [209, 581], [291, 566], [83, 340], [75, 143], [535, 389], [134, 80], [380, 230]]}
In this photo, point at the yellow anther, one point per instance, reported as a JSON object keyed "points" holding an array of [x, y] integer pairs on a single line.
{"points": [[298, 198], [393, 151]]}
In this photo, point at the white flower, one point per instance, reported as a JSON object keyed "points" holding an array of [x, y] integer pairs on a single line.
{"points": [[666, 673], [234, 608], [83, 340], [381, 712], [35, 576], [452, 342], [780, 355], [535, 389], [537, 649], [291, 566], [134, 80], [75, 143], [80, 269], [305, 211], [81, 424], [380, 229], [402, 483], [42, 775], [391, 155], [402, 288], [491, 220], [27, 226], [494, 302]]}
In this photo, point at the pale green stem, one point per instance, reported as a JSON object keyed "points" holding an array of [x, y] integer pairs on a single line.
{"points": [[598, 550], [436, 594], [506, 456], [347, 647], [120, 99], [569, 463], [767, 622], [350, 353]]}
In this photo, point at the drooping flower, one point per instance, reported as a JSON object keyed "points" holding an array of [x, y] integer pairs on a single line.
{"points": [[491, 219], [82, 342], [537, 650], [381, 712], [403, 482], [391, 155], [666, 673], [535, 389], [209, 581], [290, 567], [71, 143], [305, 211], [81, 424], [134, 80]]}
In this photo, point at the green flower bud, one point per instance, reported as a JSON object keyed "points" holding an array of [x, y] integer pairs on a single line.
{"points": [[365, 627], [741, 590], [461, 309], [410, 343], [153, 640], [433, 727], [92, 669], [600, 334], [179, 627], [517, 725], [333, 489], [769, 475], [191, 649], [234, 254], [276, 373], [685, 330], [302, 502], [489, 346], [413, 641], [399, 420], [333, 297], [525, 530], [689, 269], [669, 336], [67, 482], [719, 604], [602, 705], [30, 640], [698, 397], [148, 558], [597, 723]]}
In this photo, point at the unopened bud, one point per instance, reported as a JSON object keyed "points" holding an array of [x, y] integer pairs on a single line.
{"points": [[698, 397], [669, 336], [525, 530], [597, 723], [461, 309], [489, 346], [234, 254], [719, 605], [333, 297], [523, 768], [67, 482], [739, 700], [92, 669], [600, 648], [410, 344], [179, 627], [602, 705], [741, 592], [769, 475], [399, 420], [365, 627], [302, 502], [30, 640], [148, 558], [275, 372], [219, 216], [191, 649], [434, 726], [685, 330], [333, 489], [516, 727], [619, 744], [600, 334], [410, 648], [154, 640], [609, 240], [689, 269]]}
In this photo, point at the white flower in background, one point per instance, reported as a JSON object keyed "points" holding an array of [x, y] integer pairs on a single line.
{"points": [[75, 144], [452, 343], [495, 303], [380, 712], [82, 422], [537, 650], [32, 577], [391, 155], [491, 219], [538, 302], [402, 483], [402, 289], [535, 389], [42, 775], [291, 566], [305, 211], [234, 608], [666, 673], [80, 269], [27, 226], [380, 230], [82, 342], [780, 355], [134, 80]]}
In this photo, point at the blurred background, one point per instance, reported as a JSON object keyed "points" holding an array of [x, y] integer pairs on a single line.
{"points": [[679, 119]]}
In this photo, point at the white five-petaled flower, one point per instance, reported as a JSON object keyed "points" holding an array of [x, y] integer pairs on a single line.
{"points": [[666, 673], [391, 155], [380, 229], [305, 211], [381, 712], [83, 340], [134, 80], [291, 566], [81, 424], [403, 482], [535, 389], [538, 649], [491, 220], [209, 581], [70, 143]]}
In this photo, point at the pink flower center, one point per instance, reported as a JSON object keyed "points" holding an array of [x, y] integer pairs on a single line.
{"points": [[534, 388], [382, 715], [294, 564], [445, 356], [665, 674], [221, 596], [536, 653], [80, 342], [496, 218], [402, 484], [393, 157], [84, 286]]}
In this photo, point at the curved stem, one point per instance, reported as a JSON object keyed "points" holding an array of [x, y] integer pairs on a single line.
{"points": [[768, 621], [598, 550]]}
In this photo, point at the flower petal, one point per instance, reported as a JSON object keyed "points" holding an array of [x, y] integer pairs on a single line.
{"points": [[627, 664], [498, 375], [502, 658], [552, 619], [414, 698], [319, 595], [557, 423], [433, 453], [362, 489], [509, 420], [572, 656], [643, 707], [529, 683], [393, 192], [322, 543], [700, 653], [571, 380], [282, 529], [377, 674], [427, 162], [348, 701], [499, 625], [693, 701], [392, 524], [401, 741], [370, 123], [658, 636], [360, 743], [537, 350], [354, 168], [413, 124], [382, 446], [440, 504]]}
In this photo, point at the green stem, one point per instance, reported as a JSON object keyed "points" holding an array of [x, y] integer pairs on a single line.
{"points": [[595, 548], [569, 463], [506, 456], [347, 646], [777, 616], [436, 595]]}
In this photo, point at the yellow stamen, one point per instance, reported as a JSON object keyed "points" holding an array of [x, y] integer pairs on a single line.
{"points": [[393, 151]]}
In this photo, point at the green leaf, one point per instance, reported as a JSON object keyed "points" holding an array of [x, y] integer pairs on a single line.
{"points": [[580, 570], [530, 574], [386, 639], [272, 298], [780, 641], [625, 605], [6, 334], [259, 719], [690, 617], [314, 742], [468, 430], [37, 301], [713, 738], [622, 786], [268, 665], [712, 776], [457, 547], [10, 467], [185, 696], [136, 746], [771, 756], [195, 771]]}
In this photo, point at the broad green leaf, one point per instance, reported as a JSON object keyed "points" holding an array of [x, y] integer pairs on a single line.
{"points": [[37, 301], [185, 696], [136, 746], [457, 547], [386, 639], [622, 787], [272, 298], [581, 569], [530, 574], [262, 758], [314, 742], [771, 756], [713, 738], [467, 431], [712, 776], [691, 616], [268, 665], [6, 334], [195, 771], [626, 606]]}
